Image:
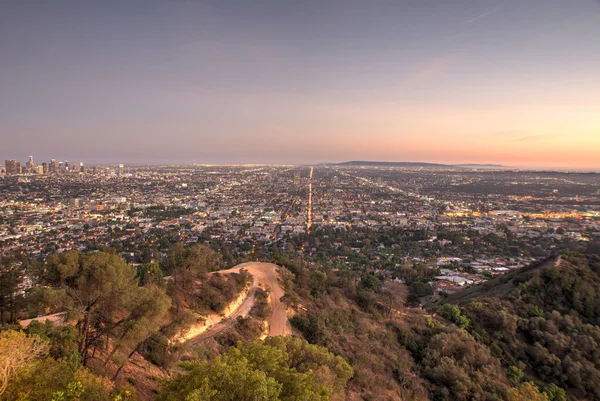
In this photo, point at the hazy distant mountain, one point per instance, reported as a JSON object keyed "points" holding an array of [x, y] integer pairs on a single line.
{"points": [[363, 163], [359, 163], [486, 166]]}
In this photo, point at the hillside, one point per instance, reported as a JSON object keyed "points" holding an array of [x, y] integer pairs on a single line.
{"points": [[500, 286], [532, 334], [543, 320]]}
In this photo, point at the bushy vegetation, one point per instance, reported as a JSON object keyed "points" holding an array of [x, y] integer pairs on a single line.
{"points": [[533, 334], [351, 318], [542, 321], [281, 368], [215, 293], [99, 292], [33, 371]]}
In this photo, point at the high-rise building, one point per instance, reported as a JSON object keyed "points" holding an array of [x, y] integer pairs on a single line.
{"points": [[30, 164], [61, 167], [121, 170], [44, 168], [12, 166], [81, 170], [53, 166]]}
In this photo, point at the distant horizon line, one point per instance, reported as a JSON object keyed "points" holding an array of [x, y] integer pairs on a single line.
{"points": [[350, 163]]}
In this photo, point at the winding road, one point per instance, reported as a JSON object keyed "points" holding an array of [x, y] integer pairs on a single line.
{"points": [[264, 274]]}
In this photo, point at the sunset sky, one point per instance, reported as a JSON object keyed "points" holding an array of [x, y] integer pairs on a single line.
{"points": [[515, 82]]}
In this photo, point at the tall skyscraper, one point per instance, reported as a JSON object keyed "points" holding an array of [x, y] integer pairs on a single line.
{"points": [[121, 170], [44, 168], [30, 164], [53, 166], [81, 170], [12, 166]]}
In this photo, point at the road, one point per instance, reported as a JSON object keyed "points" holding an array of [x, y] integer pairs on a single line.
{"points": [[265, 274], [309, 216]]}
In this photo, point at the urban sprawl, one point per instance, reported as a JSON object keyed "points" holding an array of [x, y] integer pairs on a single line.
{"points": [[463, 225]]}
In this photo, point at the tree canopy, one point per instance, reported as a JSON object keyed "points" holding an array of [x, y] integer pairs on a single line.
{"points": [[281, 368], [100, 293]]}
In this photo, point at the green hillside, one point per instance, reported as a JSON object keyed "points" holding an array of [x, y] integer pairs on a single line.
{"points": [[532, 334], [542, 320]]}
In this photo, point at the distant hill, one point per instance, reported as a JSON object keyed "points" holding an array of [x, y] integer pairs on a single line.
{"points": [[359, 163], [365, 163], [543, 320], [482, 166]]}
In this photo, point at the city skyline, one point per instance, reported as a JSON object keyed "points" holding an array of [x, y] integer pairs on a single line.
{"points": [[185, 82], [60, 163]]}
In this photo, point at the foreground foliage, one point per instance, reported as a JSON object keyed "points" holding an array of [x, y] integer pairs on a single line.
{"points": [[281, 368], [34, 375]]}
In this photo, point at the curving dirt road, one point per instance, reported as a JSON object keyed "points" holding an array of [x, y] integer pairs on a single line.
{"points": [[263, 274]]}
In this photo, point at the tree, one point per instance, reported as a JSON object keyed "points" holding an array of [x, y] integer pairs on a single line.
{"points": [[151, 273], [453, 314], [281, 368], [100, 292], [514, 374], [461, 368], [11, 279], [526, 392], [555, 393], [318, 283], [17, 350], [62, 339], [369, 282], [420, 289], [186, 266], [148, 310], [331, 372], [394, 295], [227, 378], [49, 379]]}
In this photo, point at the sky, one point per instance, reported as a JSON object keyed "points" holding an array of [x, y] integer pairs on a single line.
{"points": [[513, 82]]}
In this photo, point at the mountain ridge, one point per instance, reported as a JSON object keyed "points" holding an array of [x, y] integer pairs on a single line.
{"points": [[369, 163]]}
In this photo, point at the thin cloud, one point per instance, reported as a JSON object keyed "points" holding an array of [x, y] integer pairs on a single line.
{"points": [[428, 70], [481, 16], [534, 138]]}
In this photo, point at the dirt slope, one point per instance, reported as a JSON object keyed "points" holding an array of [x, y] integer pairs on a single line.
{"points": [[264, 274]]}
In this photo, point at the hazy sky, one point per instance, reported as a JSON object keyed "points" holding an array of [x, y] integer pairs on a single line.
{"points": [[488, 81]]}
